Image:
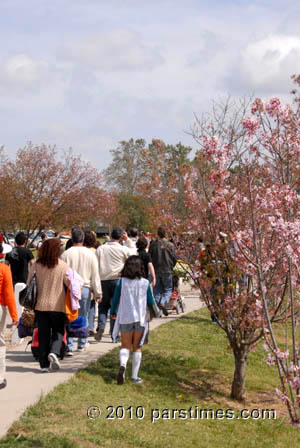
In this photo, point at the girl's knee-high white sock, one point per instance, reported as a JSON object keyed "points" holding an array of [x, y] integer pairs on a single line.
{"points": [[136, 362], [124, 356]]}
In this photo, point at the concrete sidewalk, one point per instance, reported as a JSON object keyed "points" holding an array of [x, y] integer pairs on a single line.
{"points": [[26, 384]]}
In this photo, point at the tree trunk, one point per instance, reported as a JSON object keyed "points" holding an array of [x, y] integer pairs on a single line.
{"points": [[238, 383]]}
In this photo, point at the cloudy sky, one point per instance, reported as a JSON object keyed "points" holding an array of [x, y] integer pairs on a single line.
{"points": [[89, 73]]}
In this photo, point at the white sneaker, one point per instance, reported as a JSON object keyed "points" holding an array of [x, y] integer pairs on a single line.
{"points": [[69, 354], [83, 348], [44, 370], [54, 362], [137, 380]]}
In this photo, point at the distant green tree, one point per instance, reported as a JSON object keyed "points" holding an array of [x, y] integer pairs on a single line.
{"points": [[162, 170], [135, 165], [133, 211], [125, 169]]}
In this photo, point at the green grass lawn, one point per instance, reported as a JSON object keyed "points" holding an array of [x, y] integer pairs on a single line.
{"points": [[186, 365]]}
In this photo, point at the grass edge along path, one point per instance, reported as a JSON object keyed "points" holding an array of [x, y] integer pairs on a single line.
{"points": [[187, 368]]}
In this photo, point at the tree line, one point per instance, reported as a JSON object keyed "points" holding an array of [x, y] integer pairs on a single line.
{"points": [[46, 188]]}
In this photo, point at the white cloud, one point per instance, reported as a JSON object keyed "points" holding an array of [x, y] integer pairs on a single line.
{"points": [[112, 51], [267, 64], [22, 70], [31, 84]]}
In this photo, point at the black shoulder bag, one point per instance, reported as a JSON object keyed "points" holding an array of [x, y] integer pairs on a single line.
{"points": [[28, 296]]}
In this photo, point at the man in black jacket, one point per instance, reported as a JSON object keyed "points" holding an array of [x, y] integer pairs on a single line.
{"points": [[19, 258], [164, 259]]}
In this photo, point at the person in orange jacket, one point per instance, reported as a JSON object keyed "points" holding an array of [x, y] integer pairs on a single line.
{"points": [[7, 302]]}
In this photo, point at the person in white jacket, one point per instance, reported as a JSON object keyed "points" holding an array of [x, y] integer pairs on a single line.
{"points": [[131, 296], [111, 258], [84, 262]]}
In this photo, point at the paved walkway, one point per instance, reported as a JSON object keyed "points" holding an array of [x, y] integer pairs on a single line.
{"points": [[26, 384]]}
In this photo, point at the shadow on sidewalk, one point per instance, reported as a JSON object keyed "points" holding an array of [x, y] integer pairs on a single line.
{"points": [[24, 362]]}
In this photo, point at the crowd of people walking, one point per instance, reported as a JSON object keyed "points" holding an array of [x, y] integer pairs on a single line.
{"points": [[128, 277]]}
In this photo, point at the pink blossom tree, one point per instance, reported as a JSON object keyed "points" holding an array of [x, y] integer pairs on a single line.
{"points": [[274, 136], [242, 201]]}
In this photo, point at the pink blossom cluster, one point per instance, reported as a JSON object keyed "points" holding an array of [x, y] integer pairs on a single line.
{"points": [[210, 144], [285, 144], [251, 124], [270, 360], [220, 155], [257, 106], [280, 234], [244, 236], [218, 176], [218, 205], [273, 107], [295, 368], [281, 355], [259, 305], [295, 382], [252, 319], [282, 396]]}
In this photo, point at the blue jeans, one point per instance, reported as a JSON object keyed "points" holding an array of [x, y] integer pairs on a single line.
{"points": [[108, 289], [163, 289], [83, 311], [92, 312]]}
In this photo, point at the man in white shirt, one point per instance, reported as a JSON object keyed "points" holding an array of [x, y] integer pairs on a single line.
{"points": [[111, 259], [84, 262]]}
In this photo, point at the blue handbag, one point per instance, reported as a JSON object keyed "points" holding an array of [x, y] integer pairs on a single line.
{"points": [[78, 332], [79, 322], [23, 331]]}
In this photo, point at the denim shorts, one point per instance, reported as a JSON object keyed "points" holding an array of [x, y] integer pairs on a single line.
{"points": [[134, 326]]}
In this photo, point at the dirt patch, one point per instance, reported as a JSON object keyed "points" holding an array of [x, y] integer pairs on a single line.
{"points": [[216, 391]]}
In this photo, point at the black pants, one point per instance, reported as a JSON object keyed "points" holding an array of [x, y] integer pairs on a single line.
{"points": [[51, 326], [108, 289]]}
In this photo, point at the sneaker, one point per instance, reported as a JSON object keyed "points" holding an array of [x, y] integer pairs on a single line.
{"points": [[3, 384], [137, 380], [121, 375], [92, 333], [54, 362], [99, 334], [83, 348], [44, 370], [164, 310], [115, 341], [69, 354]]}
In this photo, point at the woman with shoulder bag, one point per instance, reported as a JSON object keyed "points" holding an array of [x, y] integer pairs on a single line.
{"points": [[50, 307]]}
